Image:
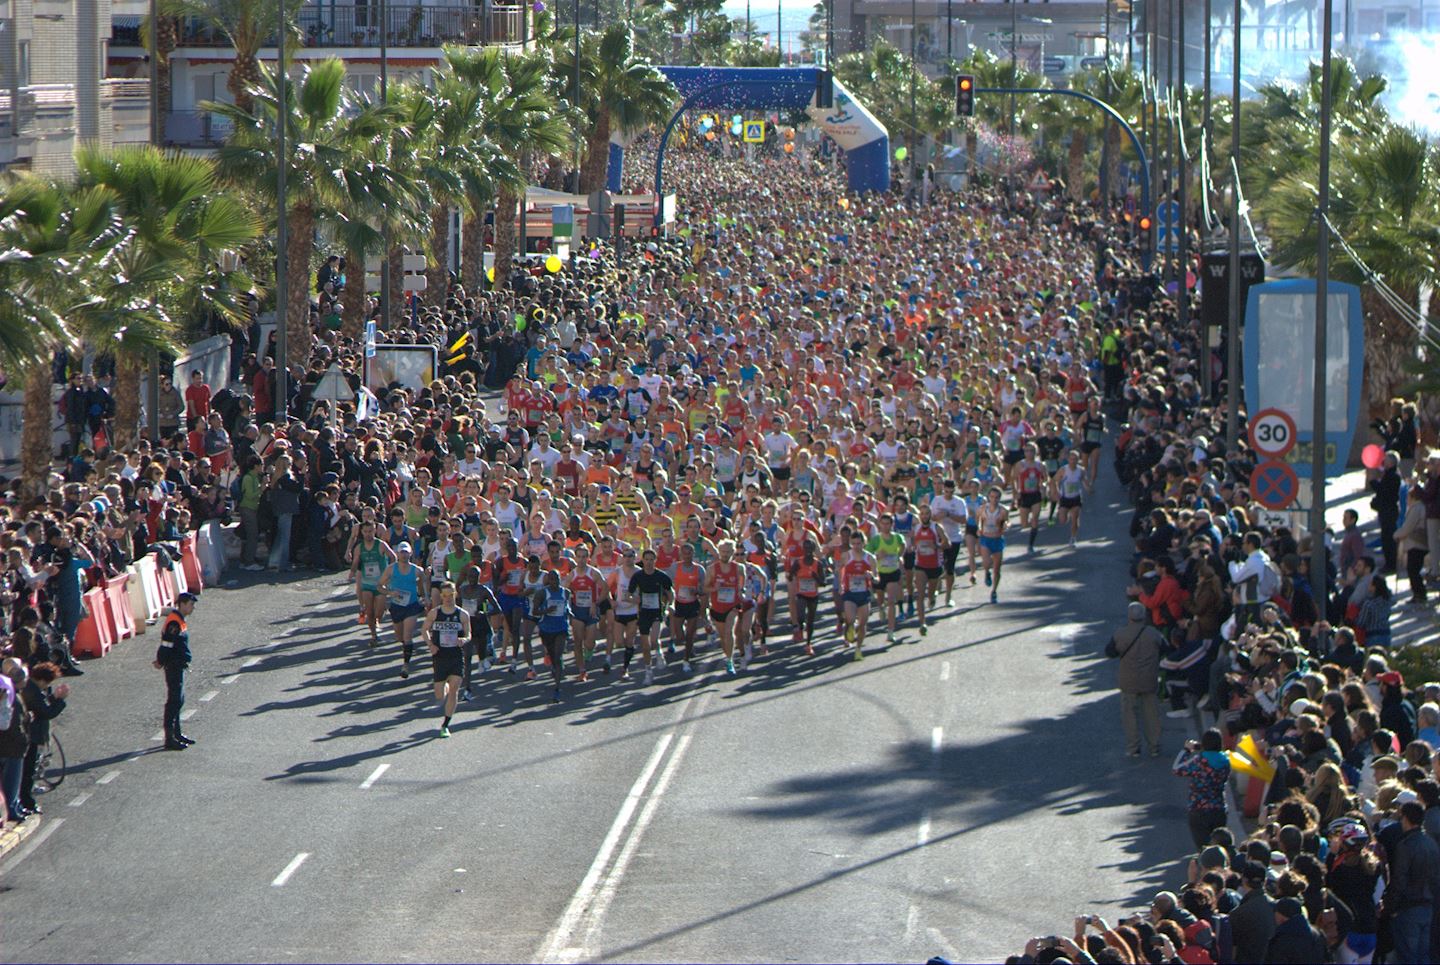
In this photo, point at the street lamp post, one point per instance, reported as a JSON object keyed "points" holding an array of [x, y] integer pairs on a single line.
{"points": [[1182, 269], [282, 233], [152, 401], [1322, 290], [385, 280], [914, 68], [1232, 353]]}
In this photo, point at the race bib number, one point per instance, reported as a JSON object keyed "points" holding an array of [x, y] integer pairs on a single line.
{"points": [[685, 594], [371, 571], [584, 598], [726, 594], [808, 587], [650, 601], [889, 560], [857, 584]]}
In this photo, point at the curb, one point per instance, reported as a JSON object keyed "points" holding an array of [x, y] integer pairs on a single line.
{"points": [[14, 834]]}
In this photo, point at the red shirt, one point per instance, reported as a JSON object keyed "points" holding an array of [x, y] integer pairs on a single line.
{"points": [[197, 400]]}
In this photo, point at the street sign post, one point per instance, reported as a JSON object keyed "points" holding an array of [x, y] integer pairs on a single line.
{"points": [[1167, 223], [1280, 360], [1272, 433], [754, 132], [1274, 484]]}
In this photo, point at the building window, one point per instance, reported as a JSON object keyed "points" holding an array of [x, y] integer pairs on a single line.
{"points": [[22, 64]]}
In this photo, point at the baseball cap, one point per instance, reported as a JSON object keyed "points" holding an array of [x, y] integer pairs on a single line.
{"points": [[404, 547]]}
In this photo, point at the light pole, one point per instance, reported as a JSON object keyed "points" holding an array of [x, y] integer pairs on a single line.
{"points": [[385, 280], [914, 68], [1322, 291], [282, 233], [1205, 110], [1232, 346], [1014, 61], [1182, 269], [152, 402]]}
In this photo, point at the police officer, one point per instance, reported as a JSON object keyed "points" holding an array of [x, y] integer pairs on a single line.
{"points": [[173, 656]]}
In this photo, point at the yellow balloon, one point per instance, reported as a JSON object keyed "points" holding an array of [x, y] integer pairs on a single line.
{"points": [[490, 275], [844, 202], [553, 264]]}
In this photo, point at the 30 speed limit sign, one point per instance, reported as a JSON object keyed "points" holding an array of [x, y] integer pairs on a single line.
{"points": [[1272, 433]]}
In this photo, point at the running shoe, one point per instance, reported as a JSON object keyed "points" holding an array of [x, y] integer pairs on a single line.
{"points": [[987, 577], [859, 653], [624, 674], [730, 667], [649, 676], [972, 579], [1072, 542], [890, 637], [444, 731], [512, 669], [555, 697], [659, 659], [809, 650], [685, 666], [465, 695], [530, 674], [607, 664], [485, 665], [745, 662], [584, 677], [994, 597], [924, 629], [405, 670]]}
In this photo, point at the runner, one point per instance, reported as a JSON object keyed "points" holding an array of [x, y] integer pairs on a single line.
{"points": [[627, 611], [857, 580], [587, 591], [929, 544], [689, 581], [1028, 486], [1090, 427], [805, 576], [652, 589], [400, 584], [1068, 486], [368, 560], [478, 600], [510, 585], [993, 518], [550, 611], [950, 512], [446, 627], [722, 585], [888, 548]]}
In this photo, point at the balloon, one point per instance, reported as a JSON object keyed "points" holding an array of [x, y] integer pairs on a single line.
{"points": [[709, 135], [553, 264], [901, 153], [844, 202], [736, 119], [789, 148], [1372, 456], [736, 128], [490, 275], [790, 134], [538, 6]]}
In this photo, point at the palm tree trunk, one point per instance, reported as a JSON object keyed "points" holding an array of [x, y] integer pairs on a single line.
{"points": [[352, 297], [437, 272], [554, 175], [596, 167], [243, 75], [1389, 343], [37, 445], [505, 214], [472, 248], [1112, 158], [167, 37], [399, 298], [127, 400], [1075, 165], [300, 245]]}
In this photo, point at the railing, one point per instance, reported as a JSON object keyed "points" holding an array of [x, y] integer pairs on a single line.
{"points": [[195, 129], [127, 88], [410, 25]]}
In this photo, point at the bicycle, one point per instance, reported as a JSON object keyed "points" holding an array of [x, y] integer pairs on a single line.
{"points": [[50, 766]]}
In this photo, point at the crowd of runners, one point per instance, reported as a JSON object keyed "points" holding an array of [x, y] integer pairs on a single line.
{"points": [[796, 424]]}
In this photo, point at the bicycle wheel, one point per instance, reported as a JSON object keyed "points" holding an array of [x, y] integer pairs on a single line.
{"points": [[50, 768]]}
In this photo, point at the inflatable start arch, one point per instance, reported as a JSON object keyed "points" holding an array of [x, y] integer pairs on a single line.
{"points": [[864, 139]]}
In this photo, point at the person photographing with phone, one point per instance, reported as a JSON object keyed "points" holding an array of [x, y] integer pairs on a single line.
{"points": [[1206, 767]]}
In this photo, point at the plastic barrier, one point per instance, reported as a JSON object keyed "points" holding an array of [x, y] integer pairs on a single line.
{"points": [[117, 598], [148, 578], [190, 564], [177, 577], [210, 547], [1254, 796], [94, 636], [165, 580]]}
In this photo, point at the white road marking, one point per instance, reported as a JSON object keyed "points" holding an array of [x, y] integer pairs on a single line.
{"points": [[187, 714], [26, 849], [557, 945], [606, 894], [209, 696], [158, 737], [249, 663], [369, 782], [111, 775], [230, 679], [80, 799], [944, 671], [912, 923], [922, 833], [290, 869], [937, 737]]}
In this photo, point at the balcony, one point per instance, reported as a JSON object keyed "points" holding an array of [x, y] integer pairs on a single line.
{"points": [[130, 109], [327, 25], [195, 129]]}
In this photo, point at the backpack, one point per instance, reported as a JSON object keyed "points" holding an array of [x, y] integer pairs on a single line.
{"points": [[1268, 583]]}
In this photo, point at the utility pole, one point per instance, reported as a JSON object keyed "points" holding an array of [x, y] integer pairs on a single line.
{"points": [[1322, 291], [152, 400], [1182, 268], [1232, 346], [1014, 64], [914, 68], [385, 280], [282, 232], [950, 28], [1205, 116]]}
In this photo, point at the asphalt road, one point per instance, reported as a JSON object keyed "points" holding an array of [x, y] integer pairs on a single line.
{"points": [[950, 795]]}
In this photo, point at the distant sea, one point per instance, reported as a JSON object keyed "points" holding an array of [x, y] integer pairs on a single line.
{"points": [[794, 17]]}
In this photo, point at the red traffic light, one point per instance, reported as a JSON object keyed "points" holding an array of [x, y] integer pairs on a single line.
{"points": [[1145, 222], [966, 83]]}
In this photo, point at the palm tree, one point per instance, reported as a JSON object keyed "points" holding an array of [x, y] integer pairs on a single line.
{"points": [[58, 270], [619, 92], [181, 219], [337, 162], [247, 24], [524, 120], [883, 78]]}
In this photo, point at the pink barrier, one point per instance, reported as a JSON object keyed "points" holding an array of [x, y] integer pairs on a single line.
{"points": [[117, 598], [165, 580], [94, 636], [190, 560]]}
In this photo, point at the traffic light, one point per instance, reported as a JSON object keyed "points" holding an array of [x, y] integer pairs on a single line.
{"points": [[824, 88], [964, 96], [1144, 224]]}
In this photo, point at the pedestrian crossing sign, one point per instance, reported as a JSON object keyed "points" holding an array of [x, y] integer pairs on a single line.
{"points": [[754, 132]]}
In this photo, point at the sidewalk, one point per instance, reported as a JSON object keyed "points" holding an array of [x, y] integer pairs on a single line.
{"points": [[14, 834], [1408, 626]]}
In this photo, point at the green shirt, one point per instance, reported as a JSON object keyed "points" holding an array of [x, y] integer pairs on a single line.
{"points": [[250, 491], [887, 551]]}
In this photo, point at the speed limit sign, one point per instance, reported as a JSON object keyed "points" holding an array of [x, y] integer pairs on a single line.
{"points": [[1272, 433]]}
